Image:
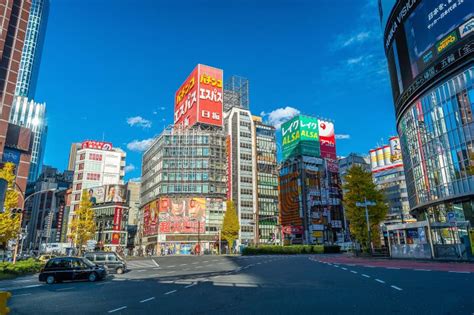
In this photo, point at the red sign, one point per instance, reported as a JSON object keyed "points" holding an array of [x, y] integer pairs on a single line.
{"points": [[150, 218], [182, 215], [200, 98], [229, 167], [117, 225], [91, 144], [290, 229], [327, 140]]}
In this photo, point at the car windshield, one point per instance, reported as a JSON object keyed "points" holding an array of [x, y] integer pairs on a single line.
{"points": [[88, 262]]}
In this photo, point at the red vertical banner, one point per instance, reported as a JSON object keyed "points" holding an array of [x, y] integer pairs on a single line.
{"points": [[211, 95], [117, 225], [327, 140], [186, 101]]}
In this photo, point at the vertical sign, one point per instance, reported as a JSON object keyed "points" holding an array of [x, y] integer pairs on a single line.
{"points": [[117, 226]]}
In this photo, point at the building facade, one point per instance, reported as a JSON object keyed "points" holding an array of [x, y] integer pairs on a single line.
{"points": [[134, 219], [96, 164], [183, 190], [29, 114], [266, 170], [71, 165], [353, 159], [32, 49], [430, 60]]}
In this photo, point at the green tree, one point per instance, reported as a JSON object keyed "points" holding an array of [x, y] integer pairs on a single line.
{"points": [[83, 224], [230, 225], [358, 188], [9, 221]]}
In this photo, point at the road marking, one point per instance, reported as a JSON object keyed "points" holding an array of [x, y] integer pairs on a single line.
{"points": [[459, 271], [364, 275], [378, 280], [24, 294], [64, 289], [396, 268], [156, 268], [170, 292], [117, 309], [396, 288], [142, 270], [146, 300], [172, 266], [353, 271], [191, 285], [156, 264], [205, 261], [422, 269], [246, 285], [343, 268], [183, 264], [30, 286]]}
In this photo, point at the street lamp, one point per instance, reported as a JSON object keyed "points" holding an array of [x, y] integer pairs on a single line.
{"points": [[366, 204], [22, 194]]}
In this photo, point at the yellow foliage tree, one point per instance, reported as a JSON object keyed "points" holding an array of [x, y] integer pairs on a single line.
{"points": [[230, 225], [9, 221], [83, 225]]}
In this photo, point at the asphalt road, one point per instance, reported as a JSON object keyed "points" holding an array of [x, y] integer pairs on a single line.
{"points": [[250, 285]]}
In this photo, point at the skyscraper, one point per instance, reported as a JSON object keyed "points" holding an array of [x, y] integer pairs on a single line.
{"points": [[32, 49], [32, 115]]}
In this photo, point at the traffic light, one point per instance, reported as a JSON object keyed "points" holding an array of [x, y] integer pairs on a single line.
{"points": [[4, 296]]}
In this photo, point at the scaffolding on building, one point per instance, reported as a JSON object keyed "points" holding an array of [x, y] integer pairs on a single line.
{"points": [[236, 93]]}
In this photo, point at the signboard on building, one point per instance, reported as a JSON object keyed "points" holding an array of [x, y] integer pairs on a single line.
{"points": [[98, 145], [117, 225], [200, 98], [150, 218], [11, 155], [300, 137], [108, 194], [327, 139], [182, 215], [387, 157]]}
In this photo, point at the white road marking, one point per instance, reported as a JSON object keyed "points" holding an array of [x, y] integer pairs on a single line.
{"points": [[205, 261], [191, 285], [396, 288], [459, 271], [142, 270], [343, 268], [170, 292], [156, 264], [422, 269], [64, 289], [156, 268], [353, 271], [364, 275], [246, 285], [172, 266], [146, 300], [183, 264], [378, 280], [117, 309], [24, 294]]}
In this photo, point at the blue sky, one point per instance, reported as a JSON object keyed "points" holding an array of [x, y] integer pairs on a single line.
{"points": [[110, 67]]}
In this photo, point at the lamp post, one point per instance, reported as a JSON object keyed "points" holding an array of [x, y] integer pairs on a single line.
{"points": [[366, 204], [22, 194]]}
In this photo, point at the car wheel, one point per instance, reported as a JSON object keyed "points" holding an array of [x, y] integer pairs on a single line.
{"points": [[50, 279], [119, 270], [92, 277]]}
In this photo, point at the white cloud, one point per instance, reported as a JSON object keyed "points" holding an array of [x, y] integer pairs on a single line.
{"points": [[280, 115], [355, 39], [139, 121], [352, 61], [343, 136], [129, 168], [140, 145]]}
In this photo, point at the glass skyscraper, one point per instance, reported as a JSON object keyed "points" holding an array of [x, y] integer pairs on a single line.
{"points": [[32, 48]]}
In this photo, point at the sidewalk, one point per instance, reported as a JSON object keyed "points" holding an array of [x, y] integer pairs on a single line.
{"points": [[464, 267]]}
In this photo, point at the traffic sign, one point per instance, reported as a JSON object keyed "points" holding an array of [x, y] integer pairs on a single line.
{"points": [[451, 216]]}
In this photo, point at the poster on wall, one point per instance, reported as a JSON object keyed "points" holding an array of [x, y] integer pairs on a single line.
{"points": [[182, 215]]}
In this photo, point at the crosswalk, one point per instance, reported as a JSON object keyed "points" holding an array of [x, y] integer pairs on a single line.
{"points": [[142, 264]]}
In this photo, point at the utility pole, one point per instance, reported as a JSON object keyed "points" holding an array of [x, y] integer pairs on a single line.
{"points": [[366, 204]]}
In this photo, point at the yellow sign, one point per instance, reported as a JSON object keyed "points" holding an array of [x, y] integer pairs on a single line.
{"points": [[471, 238], [318, 233]]}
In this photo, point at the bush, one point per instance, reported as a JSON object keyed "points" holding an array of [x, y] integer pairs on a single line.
{"points": [[290, 249], [21, 267]]}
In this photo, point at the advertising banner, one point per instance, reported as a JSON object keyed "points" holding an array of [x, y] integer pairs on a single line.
{"points": [[200, 98], [11, 155], [395, 150], [99, 145], [117, 225], [97, 194], [116, 193], [182, 215], [292, 229], [301, 137], [327, 139], [150, 218]]}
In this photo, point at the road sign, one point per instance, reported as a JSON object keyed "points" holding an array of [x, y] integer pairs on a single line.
{"points": [[451, 216]]}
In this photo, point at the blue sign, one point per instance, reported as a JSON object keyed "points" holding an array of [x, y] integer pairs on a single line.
{"points": [[451, 216], [11, 155]]}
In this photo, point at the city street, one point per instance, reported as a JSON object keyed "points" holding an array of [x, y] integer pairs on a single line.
{"points": [[255, 284]]}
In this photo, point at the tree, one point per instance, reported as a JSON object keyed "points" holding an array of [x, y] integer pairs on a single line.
{"points": [[9, 221], [83, 225], [358, 188], [230, 225]]}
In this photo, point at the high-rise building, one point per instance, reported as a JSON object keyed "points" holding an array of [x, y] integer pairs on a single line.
{"points": [[310, 192], [133, 203], [71, 165], [353, 159], [429, 48], [29, 114], [97, 163], [183, 190], [14, 140], [240, 129], [389, 177], [267, 182], [32, 49]]}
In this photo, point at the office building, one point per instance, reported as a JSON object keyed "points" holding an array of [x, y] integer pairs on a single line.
{"points": [[71, 165], [267, 183], [14, 140], [29, 114], [133, 203], [309, 186], [32, 49], [353, 159], [429, 52]]}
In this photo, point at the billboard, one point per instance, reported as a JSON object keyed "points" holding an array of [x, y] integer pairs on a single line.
{"points": [[117, 225], [327, 140], [301, 137], [182, 215], [424, 38], [150, 218], [11, 155], [200, 98], [387, 156], [99, 145], [107, 194]]}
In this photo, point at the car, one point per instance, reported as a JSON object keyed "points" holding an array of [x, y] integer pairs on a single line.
{"points": [[110, 260], [60, 269], [45, 258]]}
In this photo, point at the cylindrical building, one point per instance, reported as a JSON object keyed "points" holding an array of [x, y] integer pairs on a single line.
{"points": [[373, 159], [429, 49]]}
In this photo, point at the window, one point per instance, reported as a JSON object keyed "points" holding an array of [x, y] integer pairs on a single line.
{"points": [[95, 157], [82, 156], [81, 166], [78, 186], [79, 176], [111, 257], [93, 176]]}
